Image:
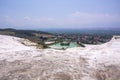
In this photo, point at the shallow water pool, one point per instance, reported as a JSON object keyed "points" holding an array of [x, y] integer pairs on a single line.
{"points": [[59, 46]]}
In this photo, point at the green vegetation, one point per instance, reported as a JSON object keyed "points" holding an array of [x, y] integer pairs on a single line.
{"points": [[42, 45], [32, 35], [41, 38], [81, 44]]}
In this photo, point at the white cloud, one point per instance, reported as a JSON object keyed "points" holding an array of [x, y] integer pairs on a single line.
{"points": [[7, 19], [28, 21], [7, 16], [27, 18], [76, 18], [84, 18], [47, 19]]}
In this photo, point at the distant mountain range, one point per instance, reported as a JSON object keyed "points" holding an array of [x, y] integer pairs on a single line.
{"points": [[85, 31]]}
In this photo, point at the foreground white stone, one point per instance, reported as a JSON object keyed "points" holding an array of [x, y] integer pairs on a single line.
{"points": [[94, 62]]}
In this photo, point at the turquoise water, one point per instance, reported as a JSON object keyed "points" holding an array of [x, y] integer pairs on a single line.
{"points": [[58, 46]]}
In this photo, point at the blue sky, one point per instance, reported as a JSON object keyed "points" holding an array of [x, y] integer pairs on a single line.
{"points": [[78, 14]]}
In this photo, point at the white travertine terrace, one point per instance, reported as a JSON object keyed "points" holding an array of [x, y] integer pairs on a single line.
{"points": [[94, 62]]}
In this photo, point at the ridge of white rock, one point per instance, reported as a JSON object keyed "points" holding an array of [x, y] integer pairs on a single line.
{"points": [[11, 48], [8, 43], [49, 64]]}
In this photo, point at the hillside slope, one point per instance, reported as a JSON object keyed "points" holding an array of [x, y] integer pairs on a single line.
{"points": [[35, 36], [94, 62]]}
